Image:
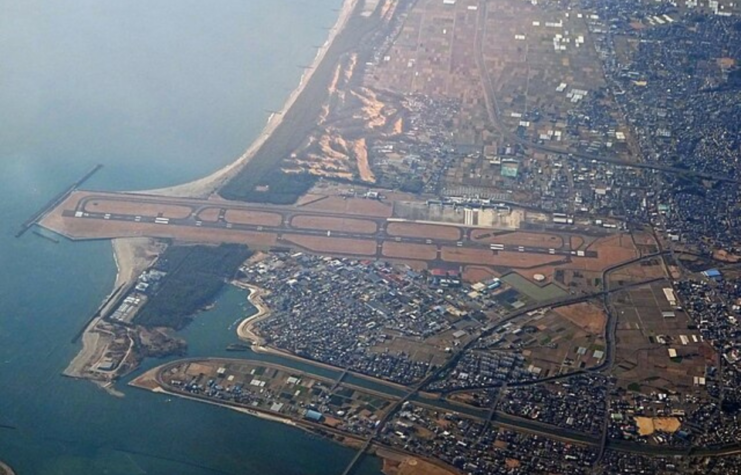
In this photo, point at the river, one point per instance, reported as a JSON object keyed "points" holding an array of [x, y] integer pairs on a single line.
{"points": [[159, 93]]}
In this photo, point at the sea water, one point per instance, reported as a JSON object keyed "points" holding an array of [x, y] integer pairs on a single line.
{"points": [[160, 93]]}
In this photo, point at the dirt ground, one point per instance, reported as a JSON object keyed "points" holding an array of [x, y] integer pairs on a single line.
{"points": [[418, 230], [349, 225], [519, 239], [358, 206], [515, 260], [467, 256], [586, 316], [409, 251], [478, 273], [137, 209], [725, 256], [330, 245], [258, 218], [649, 425], [610, 250], [398, 464], [638, 271], [209, 215], [576, 242], [524, 260], [100, 229], [645, 239], [308, 198]]}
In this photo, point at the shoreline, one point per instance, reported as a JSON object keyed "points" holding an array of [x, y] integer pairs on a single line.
{"points": [[125, 250], [206, 187], [132, 256], [244, 329], [149, 381], [5, 469], [245, 333]]}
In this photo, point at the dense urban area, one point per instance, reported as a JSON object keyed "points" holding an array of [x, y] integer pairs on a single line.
{"points": [[507, 240]]}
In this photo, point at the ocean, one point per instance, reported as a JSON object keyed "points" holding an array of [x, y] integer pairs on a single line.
{"points": [[160, 93]]}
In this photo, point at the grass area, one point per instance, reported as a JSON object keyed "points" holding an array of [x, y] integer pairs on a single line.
{"points": [[279, 188], [533, 291], [196, 274]]}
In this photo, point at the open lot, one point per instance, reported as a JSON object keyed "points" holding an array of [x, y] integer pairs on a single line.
{"points": [[357, 206], [326, 223], [124, 207], [252, 217], [421, 230], [209, 214], [639, 271], [475, 273], [610, 250], [587, 316], [409, 251], [332, 245], [544, 240]]}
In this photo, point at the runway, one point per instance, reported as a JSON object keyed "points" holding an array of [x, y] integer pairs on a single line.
{"points": [[359, 227]]}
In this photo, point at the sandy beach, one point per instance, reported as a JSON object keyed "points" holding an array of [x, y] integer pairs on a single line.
{"points": [[132, 256], [5, 469], [207, 186], [244, 330]]}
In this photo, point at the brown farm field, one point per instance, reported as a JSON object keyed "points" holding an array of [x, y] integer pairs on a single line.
{"points": [[639, 271], [644, 336], [586, 316]]}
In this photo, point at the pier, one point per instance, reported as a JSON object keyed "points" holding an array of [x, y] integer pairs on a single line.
{"points": [[97, 313], [55, 201]]}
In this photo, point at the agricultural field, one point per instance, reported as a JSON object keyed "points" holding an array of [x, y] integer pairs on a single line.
{"points": [[656, 342]]}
